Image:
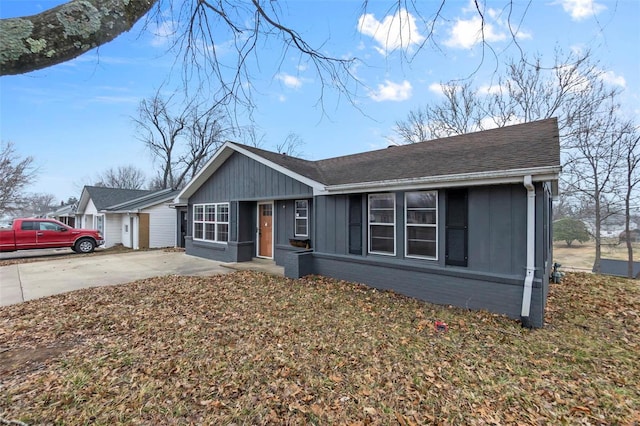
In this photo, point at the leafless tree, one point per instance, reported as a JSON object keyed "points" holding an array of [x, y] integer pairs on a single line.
{"points": [[291, 145], [181, 142], [249, 135], [123, 177], [16, 174], [38, 205], [206, 130], [631, 162], [529, 90], [592, 162], [416, 127]]}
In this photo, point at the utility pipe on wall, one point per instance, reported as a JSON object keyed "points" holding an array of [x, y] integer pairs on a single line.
{"points": [[531, 244]]}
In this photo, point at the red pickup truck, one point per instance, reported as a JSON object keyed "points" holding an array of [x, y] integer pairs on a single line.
{"points": [[48, 233]]}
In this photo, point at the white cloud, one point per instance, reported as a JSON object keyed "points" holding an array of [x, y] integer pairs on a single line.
{"points": [[490, 90], [290, 81], [610, 77], [582, 9], [523, 35], [490, 122], [162, 33], [436, 88], [466, 33], [117, 99], [397, 31], [391, 91]]}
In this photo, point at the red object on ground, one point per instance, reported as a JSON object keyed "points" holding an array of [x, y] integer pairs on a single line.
{"points": [[441, 326]]}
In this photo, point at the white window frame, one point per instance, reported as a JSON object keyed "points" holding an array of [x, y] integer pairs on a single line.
{"points": [[421, 225], [215, 222], [371, 224], [99, 223], [297, 218]]}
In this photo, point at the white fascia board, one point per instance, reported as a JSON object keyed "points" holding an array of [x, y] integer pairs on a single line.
{"points": [[539, 174], [317, 186], [83, 201], [122, 211], [175, 205]]}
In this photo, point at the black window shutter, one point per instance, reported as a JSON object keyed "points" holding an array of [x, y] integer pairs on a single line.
{"points": [[457, 227], [355, 224]]}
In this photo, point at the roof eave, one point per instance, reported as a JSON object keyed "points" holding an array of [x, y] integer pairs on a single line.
{"points": [[538, 174]]}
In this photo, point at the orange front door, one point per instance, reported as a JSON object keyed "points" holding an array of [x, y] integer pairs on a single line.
{"points": [[265, 230]]}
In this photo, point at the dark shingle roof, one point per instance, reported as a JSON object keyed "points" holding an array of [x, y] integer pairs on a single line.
{"points": [[150, 199], [522, 146], [306, 168], [106, 197]]}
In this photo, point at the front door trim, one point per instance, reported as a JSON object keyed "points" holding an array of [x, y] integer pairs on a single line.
{"points": [[259, 230]]}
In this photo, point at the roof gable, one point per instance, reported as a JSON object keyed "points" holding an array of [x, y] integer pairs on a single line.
{"points": [[296, 168]]}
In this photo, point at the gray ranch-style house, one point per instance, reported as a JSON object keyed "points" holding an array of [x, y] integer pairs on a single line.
{"points": [[464, 220]]}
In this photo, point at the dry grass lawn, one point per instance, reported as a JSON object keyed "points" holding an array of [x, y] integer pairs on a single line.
{"points": [[580, 257], [248, 348]]}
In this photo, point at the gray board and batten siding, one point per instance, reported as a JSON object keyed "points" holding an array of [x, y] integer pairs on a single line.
{"points": [[241, 178], [496, 267], [243, 182]]}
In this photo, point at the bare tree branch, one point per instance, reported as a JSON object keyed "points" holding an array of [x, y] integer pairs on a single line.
{"points": [[64, 32], [124, 177], [179, 142], [16, 174], [291, 145]]}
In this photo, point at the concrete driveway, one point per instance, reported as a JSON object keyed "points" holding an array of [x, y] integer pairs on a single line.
{"points": [[27, 281]]}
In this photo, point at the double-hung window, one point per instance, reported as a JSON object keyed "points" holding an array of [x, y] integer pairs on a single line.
{"points": [[211, 222], [421, 210], [382, 219], [302, 218]]}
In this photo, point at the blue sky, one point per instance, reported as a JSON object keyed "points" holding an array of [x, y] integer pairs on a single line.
{"points": [[75, 118]]}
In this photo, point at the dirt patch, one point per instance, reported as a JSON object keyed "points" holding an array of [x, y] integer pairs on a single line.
{"points": [[25, 359]]}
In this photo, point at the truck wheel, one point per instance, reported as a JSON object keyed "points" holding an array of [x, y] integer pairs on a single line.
{"points": [[84, 245]]}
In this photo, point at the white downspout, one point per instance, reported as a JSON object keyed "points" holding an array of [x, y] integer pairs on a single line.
{"points": [[531, 244]]}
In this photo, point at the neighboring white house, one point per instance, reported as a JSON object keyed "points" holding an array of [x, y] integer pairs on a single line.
{"points": [[134, 218], [65, 214]]}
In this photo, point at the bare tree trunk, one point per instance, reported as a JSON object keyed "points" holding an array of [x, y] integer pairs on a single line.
{"points": [[597, 236], [631, 145], [627, 233]]}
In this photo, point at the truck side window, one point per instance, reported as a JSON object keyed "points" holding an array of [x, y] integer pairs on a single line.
{"points": [[28, 225]]}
